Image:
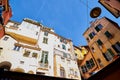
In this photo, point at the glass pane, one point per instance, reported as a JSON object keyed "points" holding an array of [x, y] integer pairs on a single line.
{"points": [[108, 34], [99, 42]]}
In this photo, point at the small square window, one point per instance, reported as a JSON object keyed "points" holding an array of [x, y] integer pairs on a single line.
{"points": [[34, 55], [63, 47], [21, 62], [5, 38], [46, 33], [36, 33], [61, 40], [65, 55]]}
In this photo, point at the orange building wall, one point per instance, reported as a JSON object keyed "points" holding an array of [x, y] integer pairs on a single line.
{"points": [[87, 57], [114, 29]]}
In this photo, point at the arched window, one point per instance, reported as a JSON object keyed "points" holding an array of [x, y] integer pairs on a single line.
{"points": [[62, 72]]}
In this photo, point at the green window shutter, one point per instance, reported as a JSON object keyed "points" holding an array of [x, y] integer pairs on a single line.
{"points": [[46, 58], [90, 35], [42, 57], [97, 29], [63, 47], [99, 42], [108, 35], [92, 62], [105, 56], [110, 51], [45, 40], [88, 65]]}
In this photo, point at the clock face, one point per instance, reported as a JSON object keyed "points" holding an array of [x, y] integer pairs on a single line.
{"points": [[95, 12]]}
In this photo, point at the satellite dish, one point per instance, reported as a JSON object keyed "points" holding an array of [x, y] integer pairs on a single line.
{"points": [[95, 12]]}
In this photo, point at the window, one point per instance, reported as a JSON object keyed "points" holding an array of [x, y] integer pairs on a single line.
{"points": [[65, 41], [1, 50], [100, 62], [72, 71], [108, 35], [87, 39], [21, 62], [98, 27], [68, 56], [15, 25], [109, 55], [34, 55], [5, 38], [65, 55], [16, 48], [84, 68], [90, 63], [76, 73], [58, 45], [116, 47], [45, 40], [99, 42], [61, 40], [63, 47], [44, 59], [36, 33], [26, 53], [62, 72], [91, 35], [46, 33]]}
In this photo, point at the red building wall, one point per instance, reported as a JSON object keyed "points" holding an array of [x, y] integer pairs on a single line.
{"points": [[6, 16]]}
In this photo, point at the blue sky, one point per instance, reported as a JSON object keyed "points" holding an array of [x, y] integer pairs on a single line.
{"points": [[69, 18]]}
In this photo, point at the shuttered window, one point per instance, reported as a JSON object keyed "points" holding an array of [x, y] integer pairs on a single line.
{"points": [[98, 27], [108, 34]]}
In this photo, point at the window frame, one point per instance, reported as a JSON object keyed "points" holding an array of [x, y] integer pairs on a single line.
{"points": [[44, 59], [63, 47], [99, 42], [5, 38], [45, 40], [62, 72], [108, 34], [45, 33], [98, 27]]}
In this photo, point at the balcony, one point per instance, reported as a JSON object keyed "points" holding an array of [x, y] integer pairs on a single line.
{"points": [[22, 38]]}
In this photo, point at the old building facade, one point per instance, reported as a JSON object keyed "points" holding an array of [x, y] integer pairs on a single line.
{"points": [[112, 5], [88, 65], [104, 41], [30, 47]]}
